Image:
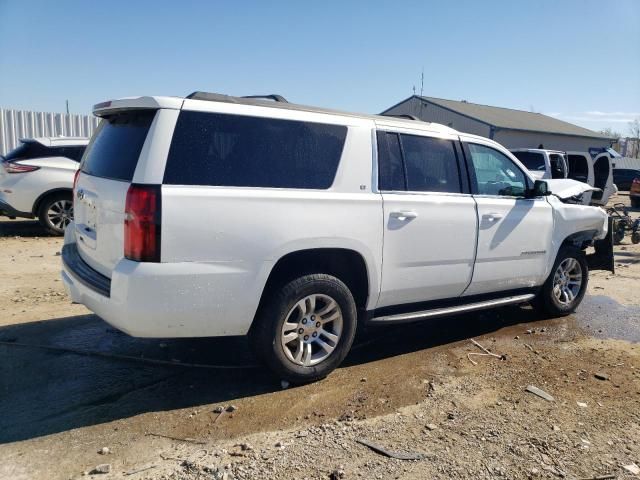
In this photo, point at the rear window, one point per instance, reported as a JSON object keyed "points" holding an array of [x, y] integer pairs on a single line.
{"points": [[116, 145], [531, 160], [29, 150], [242, 151]]}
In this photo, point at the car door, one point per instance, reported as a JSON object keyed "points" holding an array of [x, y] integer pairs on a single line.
{"points": [[581, 169], [514, 234], [603, 178], [430, 220]]}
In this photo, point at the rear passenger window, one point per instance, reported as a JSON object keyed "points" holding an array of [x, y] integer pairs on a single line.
{"points": [[116, 145], [431, 164], [242, 151], [390, 168]]}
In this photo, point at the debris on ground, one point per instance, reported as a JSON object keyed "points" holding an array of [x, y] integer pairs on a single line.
{"points": [[485, 354], [102, 468], [582, 404], [388, 453], [231, 408], [540, 393], [104, 451], [632, 468], [601, 376], [218, 409], [337, 474]]}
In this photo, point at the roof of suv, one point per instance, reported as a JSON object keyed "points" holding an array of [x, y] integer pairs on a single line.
{"points": [[536, 150], [271, 101], [57, 141]]}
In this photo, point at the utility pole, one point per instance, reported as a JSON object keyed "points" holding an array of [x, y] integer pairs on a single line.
{"points": [[67, 102]]}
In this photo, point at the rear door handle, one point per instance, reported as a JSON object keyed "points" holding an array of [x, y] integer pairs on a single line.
{"points": [[403, 216]]}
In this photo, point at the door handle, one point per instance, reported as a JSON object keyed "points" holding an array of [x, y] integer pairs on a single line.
{"points": [[403, 216], [492, 217]]}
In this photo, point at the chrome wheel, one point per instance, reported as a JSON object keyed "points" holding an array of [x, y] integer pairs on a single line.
{"points": [[567, 281], [311, 330], [60, 213]]}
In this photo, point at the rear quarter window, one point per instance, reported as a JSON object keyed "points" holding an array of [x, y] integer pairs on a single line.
{"points": [[242, 151], [116, 145]]}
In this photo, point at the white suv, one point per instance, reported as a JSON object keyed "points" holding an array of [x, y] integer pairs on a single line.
{"points": [[214, 215], [36, 180]]}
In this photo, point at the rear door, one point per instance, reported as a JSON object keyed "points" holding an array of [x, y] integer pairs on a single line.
{"points": [[603, 178], [581, 169], [514, 235], [430, 221], [106, 171]]}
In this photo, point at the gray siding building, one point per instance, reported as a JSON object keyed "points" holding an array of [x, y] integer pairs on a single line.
{"points": [[511, 128]]}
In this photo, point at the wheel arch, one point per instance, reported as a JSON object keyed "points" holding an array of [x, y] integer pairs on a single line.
{"points": [[38, 202], [346, 264]]}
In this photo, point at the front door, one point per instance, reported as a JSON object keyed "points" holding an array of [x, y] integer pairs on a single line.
{"points": [[514, 235], [430, 221]]}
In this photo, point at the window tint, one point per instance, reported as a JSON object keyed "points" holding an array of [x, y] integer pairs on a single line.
{"points": [[241, 151], [390, 168], [531, 160], [116, 145], [73, 153], [29, 150], [431, 164], [496, 174], [578, 168], [557, 165]]}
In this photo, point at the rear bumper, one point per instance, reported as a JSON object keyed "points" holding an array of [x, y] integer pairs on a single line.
{"points": [[164, 300]]}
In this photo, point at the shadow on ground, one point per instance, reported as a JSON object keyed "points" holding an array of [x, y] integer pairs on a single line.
{"points": [[22, 228], [47, 391]]}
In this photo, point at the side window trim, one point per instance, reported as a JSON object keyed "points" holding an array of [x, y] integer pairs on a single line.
{"points": [[473, 179]]}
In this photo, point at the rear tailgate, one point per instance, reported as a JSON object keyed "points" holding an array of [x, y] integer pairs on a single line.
{"points": [[106, 172]]}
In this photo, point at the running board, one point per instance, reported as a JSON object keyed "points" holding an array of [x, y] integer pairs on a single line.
{"points": [[442, 312]]}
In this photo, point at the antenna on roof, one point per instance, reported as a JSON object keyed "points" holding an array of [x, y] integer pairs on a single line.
{"points": [[422, 82]]}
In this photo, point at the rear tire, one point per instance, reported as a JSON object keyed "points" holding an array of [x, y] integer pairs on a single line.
{"points": [[305, 330], [635, 202], [55, 212], [567, 283]]}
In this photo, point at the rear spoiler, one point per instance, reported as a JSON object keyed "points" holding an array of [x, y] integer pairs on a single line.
{"points": [[136, 103]]}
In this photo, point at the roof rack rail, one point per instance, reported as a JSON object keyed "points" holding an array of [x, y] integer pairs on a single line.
{"points": [[273, 96], [218, 97], [402, 115]]}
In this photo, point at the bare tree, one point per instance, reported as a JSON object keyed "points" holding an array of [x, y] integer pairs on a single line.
{"points": [[634, 130], [610, 132]]}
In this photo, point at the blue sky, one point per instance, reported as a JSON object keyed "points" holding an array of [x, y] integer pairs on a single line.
{"points": [[574, 59]]}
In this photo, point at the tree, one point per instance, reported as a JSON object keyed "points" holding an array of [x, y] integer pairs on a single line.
{"points": [[610, 132], [634, 130]]}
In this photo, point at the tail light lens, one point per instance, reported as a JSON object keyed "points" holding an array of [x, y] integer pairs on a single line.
{"points": [[11, 167], [142, 223], [75, 180]]}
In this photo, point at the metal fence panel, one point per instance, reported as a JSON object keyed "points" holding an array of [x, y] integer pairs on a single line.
{"points": [[17, 124]]}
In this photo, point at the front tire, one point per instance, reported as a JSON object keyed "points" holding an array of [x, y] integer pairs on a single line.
{"points": [[305, 330], [56, 212], [565, 288]]}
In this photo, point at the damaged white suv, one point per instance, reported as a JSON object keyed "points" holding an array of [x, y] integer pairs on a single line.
{"points": [[213, 215]]}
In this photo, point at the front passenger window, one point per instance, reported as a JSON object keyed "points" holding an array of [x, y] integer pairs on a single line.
{"points": [[496, 174]]}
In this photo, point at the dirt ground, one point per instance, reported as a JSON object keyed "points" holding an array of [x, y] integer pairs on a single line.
{"points": [[71, 385]]}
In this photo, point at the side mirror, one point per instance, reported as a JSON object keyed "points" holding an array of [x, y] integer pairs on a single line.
{"points": [[540, 189]]}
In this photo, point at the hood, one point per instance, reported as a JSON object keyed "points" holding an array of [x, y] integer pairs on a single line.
{"points": [[565, 188]]}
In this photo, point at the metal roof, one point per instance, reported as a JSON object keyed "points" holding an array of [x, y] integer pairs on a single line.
{"points": [[510, 119]]}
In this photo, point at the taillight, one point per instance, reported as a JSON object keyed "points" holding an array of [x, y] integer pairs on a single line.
{"points": [[75, 180], [142, 223], [11, 167]]}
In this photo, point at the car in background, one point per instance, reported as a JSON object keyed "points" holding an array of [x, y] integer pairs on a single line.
{"points": [[623, 177], [634, 193], [543, 164], [36, 180]]}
